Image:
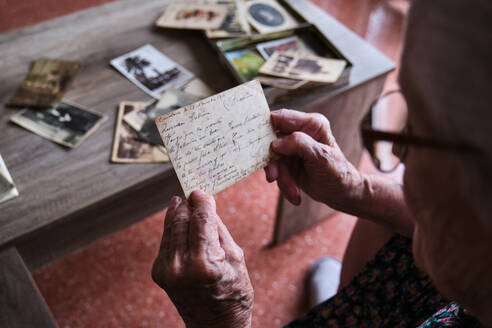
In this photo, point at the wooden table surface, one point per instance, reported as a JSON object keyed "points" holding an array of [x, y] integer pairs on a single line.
{"points": [[69, 197]]}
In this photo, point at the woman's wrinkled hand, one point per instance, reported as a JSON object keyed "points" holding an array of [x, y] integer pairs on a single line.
{"points": [[200, 266], [310, 160]]}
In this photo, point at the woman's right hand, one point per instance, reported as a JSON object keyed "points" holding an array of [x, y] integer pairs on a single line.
{"points": [[311, 160]]}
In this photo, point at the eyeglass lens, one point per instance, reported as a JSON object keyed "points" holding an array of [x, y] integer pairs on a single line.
{"points": [[389, 114]]}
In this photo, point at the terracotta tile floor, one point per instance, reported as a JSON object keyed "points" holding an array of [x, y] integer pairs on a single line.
{"points": [[108, 284]]}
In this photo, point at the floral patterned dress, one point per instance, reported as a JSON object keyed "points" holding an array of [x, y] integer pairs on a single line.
{"points": [[390, 292]]}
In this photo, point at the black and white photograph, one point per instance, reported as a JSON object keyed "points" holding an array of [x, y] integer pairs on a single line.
{"points": [[151, 70], [67, 124], [268, 16]]}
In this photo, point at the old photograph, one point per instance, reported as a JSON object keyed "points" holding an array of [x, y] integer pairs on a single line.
{"points": [[304, 66], [292, 43], [235, 23], [246, 62], [151, 70], [201, 16], [66, 123], [268, 16], [127, 148], [8, 189], [280, 82], [45, 83]]}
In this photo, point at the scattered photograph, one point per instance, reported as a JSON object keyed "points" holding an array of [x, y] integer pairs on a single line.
{"points": [[199, 16], [292, 43], [246, 62], [127, 148], [280, 82], [66, 123], [197, 87], [45, 83], [304, 66], [7, 186], [151, 70], [235, 23], [268, 16]]}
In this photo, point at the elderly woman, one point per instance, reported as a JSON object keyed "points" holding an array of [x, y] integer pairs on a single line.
{"points": [[444, 204]]}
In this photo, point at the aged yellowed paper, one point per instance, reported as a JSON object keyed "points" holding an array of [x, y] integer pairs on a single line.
{"points": [[219, 140]]}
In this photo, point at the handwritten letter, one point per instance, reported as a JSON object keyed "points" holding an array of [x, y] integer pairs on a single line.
{"points": [[219, 140]]}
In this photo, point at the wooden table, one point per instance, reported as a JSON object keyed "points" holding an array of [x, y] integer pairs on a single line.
{"points": [[69, 198]]}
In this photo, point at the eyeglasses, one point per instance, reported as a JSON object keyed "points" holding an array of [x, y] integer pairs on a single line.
{"points": [[386, 134]]}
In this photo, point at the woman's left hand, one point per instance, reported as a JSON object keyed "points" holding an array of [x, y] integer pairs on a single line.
{"points": [[201, 268]]}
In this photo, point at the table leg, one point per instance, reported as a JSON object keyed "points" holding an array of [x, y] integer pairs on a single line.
{"points": [[21, 304]]}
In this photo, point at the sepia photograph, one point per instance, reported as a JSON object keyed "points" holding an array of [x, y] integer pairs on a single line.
{"points": [[151, 70], [193, 16], [127, 148], [246, 62], [268, 16], [280, 82], [235, 23], [66, 124], [304, 66], [45, 83]]}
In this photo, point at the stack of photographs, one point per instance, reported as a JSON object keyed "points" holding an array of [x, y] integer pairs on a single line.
{"points": [[301, 58]]}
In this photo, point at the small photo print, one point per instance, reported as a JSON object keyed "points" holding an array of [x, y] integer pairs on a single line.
{"points": [[268, 16], [246, 62], [188, 15], [66, 123], [151, 70], [292, 43]]}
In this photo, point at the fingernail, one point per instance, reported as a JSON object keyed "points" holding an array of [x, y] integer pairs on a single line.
{"points": [[175, 201]]}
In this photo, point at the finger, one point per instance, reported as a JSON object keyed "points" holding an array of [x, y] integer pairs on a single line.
{"points": [[296, 144], [315, 125], [231, 249], [203, 234], [287, 184], [271, 172], [179, 231], [171, 210]]}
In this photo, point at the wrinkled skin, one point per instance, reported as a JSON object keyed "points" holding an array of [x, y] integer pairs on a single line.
{"points": [[201, 268], [311, 160]]}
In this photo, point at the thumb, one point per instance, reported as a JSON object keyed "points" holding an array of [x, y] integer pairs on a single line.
{"points": [[296, 144]]}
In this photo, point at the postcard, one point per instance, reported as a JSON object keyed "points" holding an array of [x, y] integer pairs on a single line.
{"points": [[304, 66], [235, 23], [292, 43], [219, 140], [151, 70], [280, 82], [186, 15], [67, 124], [246, 62], [127, 148], [7, 186], [45, 83], [268, 16]]}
